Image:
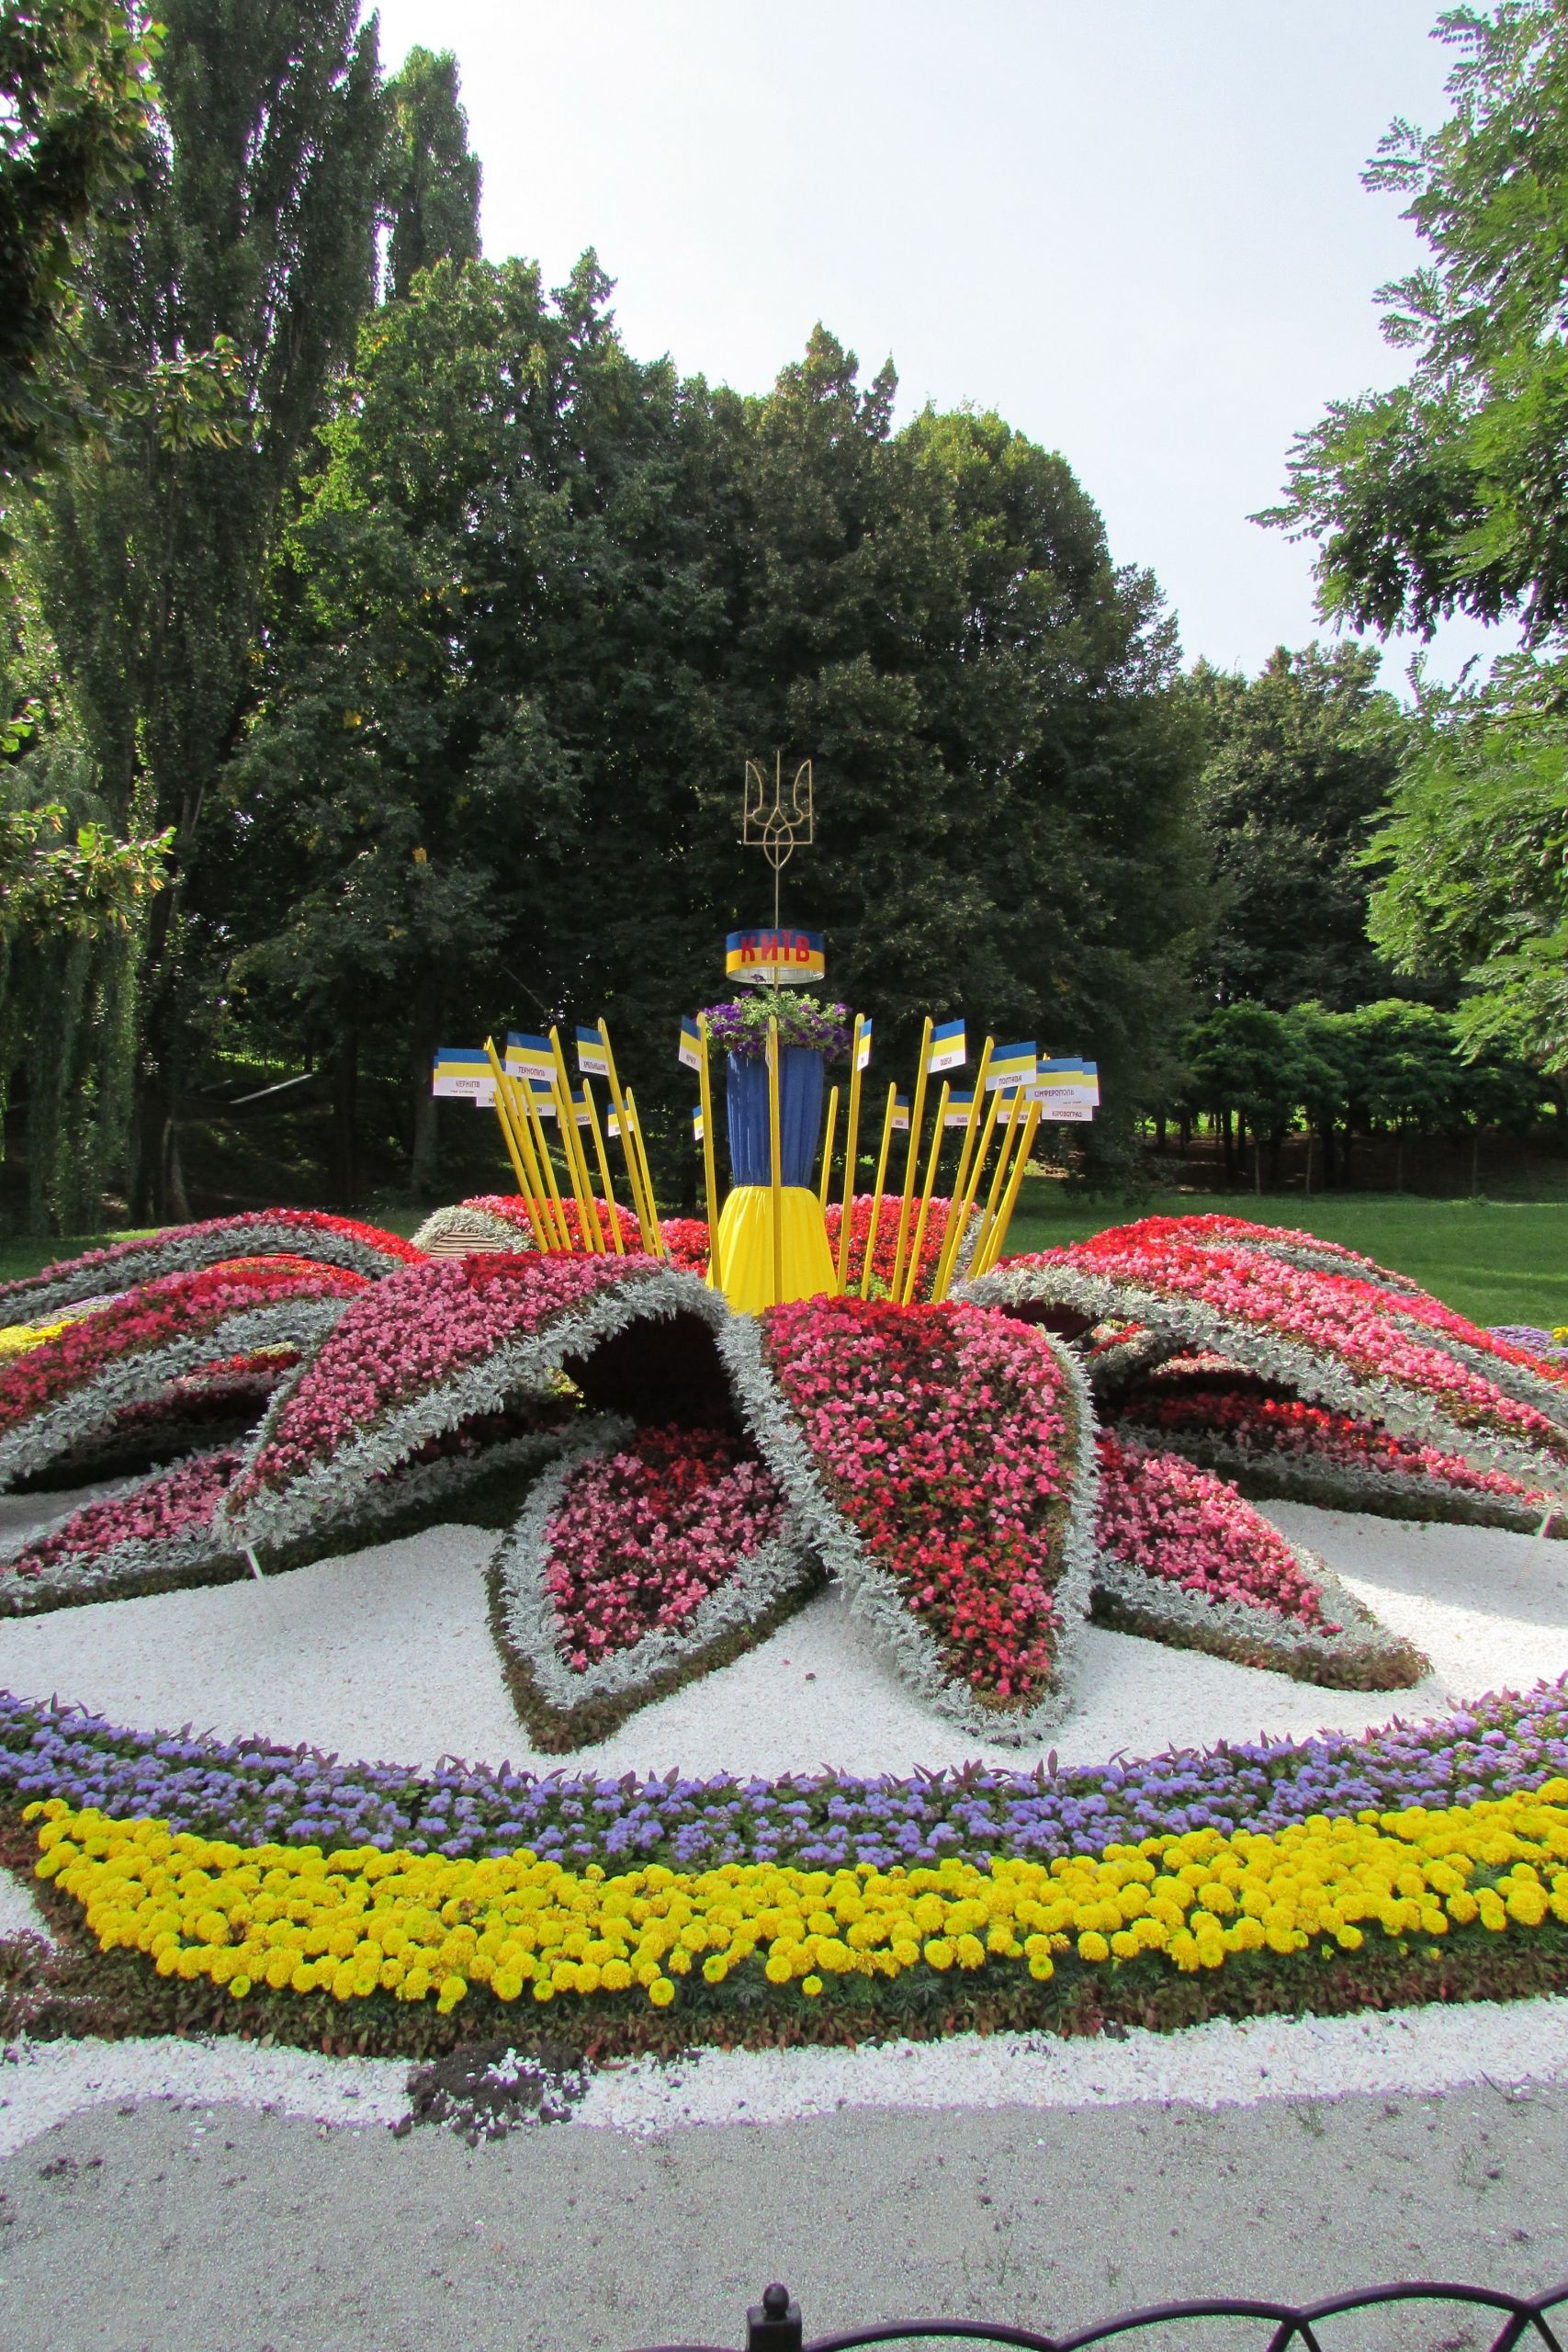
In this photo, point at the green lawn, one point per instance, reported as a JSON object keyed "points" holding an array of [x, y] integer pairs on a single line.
{"points": [[1498, 1261]]}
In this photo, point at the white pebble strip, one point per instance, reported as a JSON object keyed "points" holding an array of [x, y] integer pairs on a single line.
{"points": [[43, 2082], [1411, 2052], [1220, 2064], [19, 1915]]}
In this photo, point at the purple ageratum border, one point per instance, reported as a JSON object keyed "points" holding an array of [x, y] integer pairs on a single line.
{"points": [[253, 1790], [132, 1380], [276, 1515], [1306, 1370], [874, 1593], [530, 1623], [187, 1249]]}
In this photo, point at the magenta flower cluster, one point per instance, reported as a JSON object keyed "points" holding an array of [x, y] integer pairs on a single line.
{"points": [[941, 1435], [414, 1330], [174, 1504], [1167, 1519], [644, 1535]]}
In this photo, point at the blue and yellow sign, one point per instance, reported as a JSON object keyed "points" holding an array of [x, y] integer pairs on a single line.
{"points": [[767, 958]]}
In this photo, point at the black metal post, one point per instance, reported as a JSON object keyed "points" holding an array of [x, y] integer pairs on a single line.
{"points": [[773, 2325]]}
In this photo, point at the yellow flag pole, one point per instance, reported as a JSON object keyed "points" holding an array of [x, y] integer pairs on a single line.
{"points": [[710, 1178], [827, 1148], [522, 1092], [576, 1158], [999, 1183], [929, 1187], [524, 1187], [646, 1175], [976, 1176], [611, 1210], [1009, 1199], [775, 1142], [953, 1228], [876, 1196], [851, 1144], [649, 1237], [917, 1115]]}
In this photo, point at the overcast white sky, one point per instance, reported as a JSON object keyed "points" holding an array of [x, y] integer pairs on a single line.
{"points": [[1137, 231]]}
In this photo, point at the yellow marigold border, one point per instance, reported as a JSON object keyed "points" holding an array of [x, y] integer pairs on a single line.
{"points": [[357, 1921]]}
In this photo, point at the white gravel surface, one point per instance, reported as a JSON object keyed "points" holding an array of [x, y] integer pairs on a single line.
{"points": [[1405, 2052], [386, 1653]]}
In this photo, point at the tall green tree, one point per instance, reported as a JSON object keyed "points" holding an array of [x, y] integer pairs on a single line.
{"points": [[252, 222], [1473, 858], [542, 602], [1298, 763], [77, 101], [1445, 494], [430, 198]]}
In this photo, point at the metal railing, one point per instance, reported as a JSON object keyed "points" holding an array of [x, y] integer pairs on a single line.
{"points": [[775, 2325]]}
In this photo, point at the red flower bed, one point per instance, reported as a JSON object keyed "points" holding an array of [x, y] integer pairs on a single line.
{"points": [[416, 1331], [175, 1306], [1338, 1314], [643, 1535], [886, 1251], [171, 1504], [943, 1436], [1166, 1518], [1244, 1414]]}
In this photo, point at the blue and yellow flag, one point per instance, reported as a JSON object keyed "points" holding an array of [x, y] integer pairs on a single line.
{"points": [[765, 958], [863, 1053], [947, 1049], [464, 1072], [1013, 1065], [691, 1046], [592, 1060], [529, 1057]]}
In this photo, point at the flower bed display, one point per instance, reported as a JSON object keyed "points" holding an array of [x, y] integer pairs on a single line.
{"points": [[404, 1930], [1184, 1558], [306, 1234], [1274, 1444], [1334, 1340], [430, 1348], [941, 1464], [72, 1386], [648, 1557]]}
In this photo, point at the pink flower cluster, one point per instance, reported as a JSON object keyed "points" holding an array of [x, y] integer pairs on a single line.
{"points": [[684, 1237], [941, 1433], [174, 1306], [416, 1329], [1338, 1314], [1245, 1415], [886, 1250], [642, 1536], [1160, 1515], [179, 1500]]}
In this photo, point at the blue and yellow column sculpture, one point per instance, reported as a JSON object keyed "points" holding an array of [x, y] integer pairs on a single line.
{"points": [[773, 1239]]}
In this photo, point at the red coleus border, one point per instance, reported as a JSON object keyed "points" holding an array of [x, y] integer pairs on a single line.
{"points": [[174, 1306], [942, 1434]]}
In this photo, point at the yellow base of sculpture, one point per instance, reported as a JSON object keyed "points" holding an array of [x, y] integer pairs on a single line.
{"points": [[745, 1247]]}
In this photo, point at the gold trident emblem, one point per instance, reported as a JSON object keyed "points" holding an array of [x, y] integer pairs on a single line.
{"points": [[778, 829]]}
